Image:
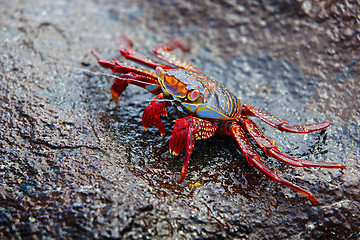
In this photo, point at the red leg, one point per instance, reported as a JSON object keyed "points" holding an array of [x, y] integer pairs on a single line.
{"points": [[253, 159], [272, 151], [162, 52], [121, 67], [121, 83], [153, 112], [125, 48], [282, 125], [132, 75], [117, 88], [186, 131]]}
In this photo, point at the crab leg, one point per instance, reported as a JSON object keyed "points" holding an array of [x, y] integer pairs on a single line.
{"points": [[121, 83], [272, 151], [125, 48], [282, 125], [153, 112], [120, 67], [162, 52], [253, 159], [186, 131], [132, 75]]}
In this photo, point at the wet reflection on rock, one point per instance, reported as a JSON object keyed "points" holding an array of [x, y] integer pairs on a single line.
{"points": [[74, 166]]}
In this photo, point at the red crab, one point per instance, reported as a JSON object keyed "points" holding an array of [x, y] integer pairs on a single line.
{"points": [[208, 108]]}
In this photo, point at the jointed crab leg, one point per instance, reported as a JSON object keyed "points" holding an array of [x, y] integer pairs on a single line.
{"points": [[122, 82], [119, 85], [253, 159], [272, 151], [199, 98], [125, 48], [282, 125], [186, 131], [137, 76], [121, 67], [161, 51], [132, 75]]}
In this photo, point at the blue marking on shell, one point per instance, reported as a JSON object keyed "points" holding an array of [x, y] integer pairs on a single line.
{"points": [[204, 112], [190, 107], [151, 87], [180, 109]]}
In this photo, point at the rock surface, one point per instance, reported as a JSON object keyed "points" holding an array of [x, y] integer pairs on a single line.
{"points": [[74, 166]]}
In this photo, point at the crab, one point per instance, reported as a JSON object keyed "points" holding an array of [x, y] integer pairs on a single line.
{"points": [[206, 107]]}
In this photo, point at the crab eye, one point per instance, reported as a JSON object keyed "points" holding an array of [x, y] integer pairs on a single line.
{"points": [[159, 72], [193, 95]]}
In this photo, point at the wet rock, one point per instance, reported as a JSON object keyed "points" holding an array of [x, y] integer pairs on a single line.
{"points": [[74, 166]]}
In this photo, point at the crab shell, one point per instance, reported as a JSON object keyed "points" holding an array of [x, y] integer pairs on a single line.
{"points": [[197, 95]]}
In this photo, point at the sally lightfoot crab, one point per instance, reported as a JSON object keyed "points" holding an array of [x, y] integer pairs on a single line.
{"points": [[207, 108]]}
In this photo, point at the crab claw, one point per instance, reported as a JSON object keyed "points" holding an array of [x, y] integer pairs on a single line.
{"points": [[152, 114]]}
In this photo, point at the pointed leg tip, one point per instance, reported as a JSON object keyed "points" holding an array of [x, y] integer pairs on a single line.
{"points": [[183, 174], [310, 196], [116, 101], [181, 179], [326, 124], [95, 54], [173, 152], [313, 200], [341, 166]]}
